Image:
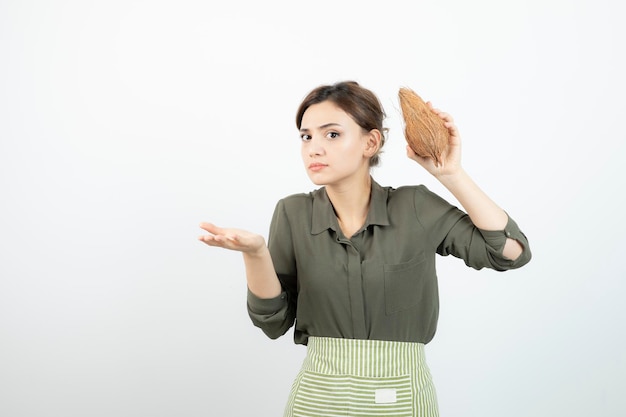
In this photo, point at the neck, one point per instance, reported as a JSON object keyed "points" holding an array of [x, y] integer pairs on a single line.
{"points": [[351, 203]]}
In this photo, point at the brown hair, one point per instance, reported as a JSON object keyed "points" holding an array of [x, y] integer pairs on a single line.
{"points": [[359, 102]]}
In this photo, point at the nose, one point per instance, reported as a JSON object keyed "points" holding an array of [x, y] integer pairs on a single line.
{"points": [[315, 147]]}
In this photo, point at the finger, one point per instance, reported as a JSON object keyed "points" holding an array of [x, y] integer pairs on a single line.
{"points": [[447, 117], [208, 239], [433, 108], [206, 226], [450, 125], [219, 241], [211, 228], [452, 128]]}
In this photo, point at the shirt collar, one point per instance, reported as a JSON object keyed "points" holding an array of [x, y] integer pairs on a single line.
{"points": [[324, 218]]}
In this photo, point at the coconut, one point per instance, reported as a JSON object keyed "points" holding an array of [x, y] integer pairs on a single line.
{"points": [[424, 130]]}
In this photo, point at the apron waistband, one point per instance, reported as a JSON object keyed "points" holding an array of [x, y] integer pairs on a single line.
{"points": [[368, 358]]}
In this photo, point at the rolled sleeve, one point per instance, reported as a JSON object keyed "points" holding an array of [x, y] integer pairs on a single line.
{"points": [[495, 240], [457, 235], [270, 314]]}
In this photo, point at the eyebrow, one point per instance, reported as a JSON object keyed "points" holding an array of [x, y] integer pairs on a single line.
{"points": [[324, 126]]}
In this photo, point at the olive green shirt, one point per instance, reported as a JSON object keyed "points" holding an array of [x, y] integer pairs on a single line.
{"points": [[379, 284]]}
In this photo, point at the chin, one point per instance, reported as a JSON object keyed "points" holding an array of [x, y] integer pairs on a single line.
{"points": [[317, 180]]}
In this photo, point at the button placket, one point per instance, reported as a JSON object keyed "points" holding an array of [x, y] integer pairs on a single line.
{"points": [[355, 288]]}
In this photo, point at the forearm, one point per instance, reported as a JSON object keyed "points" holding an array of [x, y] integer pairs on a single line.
{"points": [[484, 212], [260, 274]]}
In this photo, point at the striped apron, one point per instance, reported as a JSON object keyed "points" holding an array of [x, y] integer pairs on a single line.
{"points": [[362, 378]]}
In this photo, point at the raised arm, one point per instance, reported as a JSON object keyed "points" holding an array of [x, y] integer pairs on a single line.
{"points": [[484, 213]]}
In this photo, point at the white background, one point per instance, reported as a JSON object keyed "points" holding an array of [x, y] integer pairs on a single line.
{"points": [[123, 124]]}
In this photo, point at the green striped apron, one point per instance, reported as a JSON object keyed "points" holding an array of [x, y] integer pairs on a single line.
{"points": [[359, 378]]}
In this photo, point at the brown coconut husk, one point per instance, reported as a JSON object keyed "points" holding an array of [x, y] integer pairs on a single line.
{"points": [[424, 130]]}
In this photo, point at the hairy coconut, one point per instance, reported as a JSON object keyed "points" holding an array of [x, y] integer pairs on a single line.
{"points": [[424, 130]]}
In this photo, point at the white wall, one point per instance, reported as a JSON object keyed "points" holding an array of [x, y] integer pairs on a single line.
{"points": [[123, 124]]}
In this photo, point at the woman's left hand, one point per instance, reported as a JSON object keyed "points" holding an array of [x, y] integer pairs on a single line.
{"points": [[451, 159]]}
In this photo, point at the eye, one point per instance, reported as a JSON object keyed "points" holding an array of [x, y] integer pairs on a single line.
{"points": [[332, 135], [305, 138]]}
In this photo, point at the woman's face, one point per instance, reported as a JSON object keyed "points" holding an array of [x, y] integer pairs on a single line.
{"points": [[335, 148]]}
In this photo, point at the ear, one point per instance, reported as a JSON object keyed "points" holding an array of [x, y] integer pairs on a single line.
{"points": [[372, 143]]}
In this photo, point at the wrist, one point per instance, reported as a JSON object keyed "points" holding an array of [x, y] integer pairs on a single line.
{"points": [[257, 253], [453, 178]]}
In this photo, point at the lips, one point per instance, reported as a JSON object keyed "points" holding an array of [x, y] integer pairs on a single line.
{"points": [[316, 166]]}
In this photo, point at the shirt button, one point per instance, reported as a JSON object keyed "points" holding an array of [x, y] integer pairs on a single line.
{"points": [[508, 234]]}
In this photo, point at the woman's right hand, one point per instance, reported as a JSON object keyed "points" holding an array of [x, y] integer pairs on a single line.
{"points": [[233, 239]]}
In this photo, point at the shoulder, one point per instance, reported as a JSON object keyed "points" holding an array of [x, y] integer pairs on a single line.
{"points": [[421, 199], [403, 195], [299, 201], [410, 192], [295, 209]]}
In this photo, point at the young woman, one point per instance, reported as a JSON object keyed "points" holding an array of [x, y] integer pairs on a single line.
{"points": [[352, 264]]}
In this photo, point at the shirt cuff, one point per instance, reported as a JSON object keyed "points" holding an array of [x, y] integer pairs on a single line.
{"points": [[496, 239], [266, 306]]}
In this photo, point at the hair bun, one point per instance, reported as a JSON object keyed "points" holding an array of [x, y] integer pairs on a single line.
{"points": [[424, 130]]}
